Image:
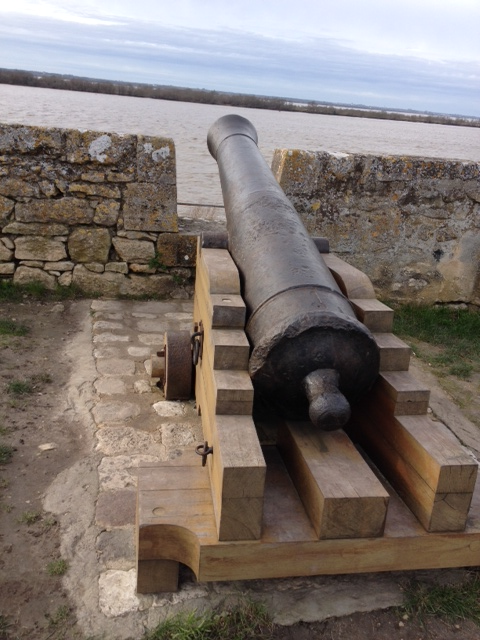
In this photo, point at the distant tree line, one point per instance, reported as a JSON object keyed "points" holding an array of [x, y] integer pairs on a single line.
{"points": [[205, 96]]}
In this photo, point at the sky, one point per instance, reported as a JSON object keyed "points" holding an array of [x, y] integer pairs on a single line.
{"points": [[402, 54]]}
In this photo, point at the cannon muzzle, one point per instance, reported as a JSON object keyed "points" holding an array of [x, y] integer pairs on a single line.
{"points": [[310, 355]]}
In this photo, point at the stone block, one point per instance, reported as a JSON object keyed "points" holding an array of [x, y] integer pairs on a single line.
{"points": [[65, 265], [141, 268], [89, 245], [6, 208], [65, 280], [115, 549], [67, 210], [116, 508], [39, 248], [154, 285], [128, 175], [8, 242], [107, 284], [7, 268], [117, 267], [102, 190], [6, 254], [174, 249], [155, 160], [93, 176], [35, 264], [24, 139], [18, 188], [96, 267], [106, 213], [26, 275], [35, 229], [100, 148], [150, 207], [134, 250], [48, 188]]}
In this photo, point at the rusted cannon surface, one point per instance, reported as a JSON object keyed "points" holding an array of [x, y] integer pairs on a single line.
{"points": [[310, 355]]}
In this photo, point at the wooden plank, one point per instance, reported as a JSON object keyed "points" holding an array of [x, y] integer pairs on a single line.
{"points": [[221, 309], [422, 460], [230, 349], [340, 493], [399, 393], [401, 386], [219, 271], [375, 315], [227, 310], [227, 392], [394, 353], [237, 468], [352, 282]]}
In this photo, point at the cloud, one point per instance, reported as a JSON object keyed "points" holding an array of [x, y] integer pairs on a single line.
{"points": [[317, 68]]}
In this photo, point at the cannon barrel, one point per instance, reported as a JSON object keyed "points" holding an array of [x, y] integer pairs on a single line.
{"points": [[310, 355]]}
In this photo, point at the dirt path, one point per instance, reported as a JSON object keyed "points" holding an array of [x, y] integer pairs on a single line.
{"points": [[38, 421]]}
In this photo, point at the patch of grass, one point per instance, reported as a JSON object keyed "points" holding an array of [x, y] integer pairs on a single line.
{"points": [[453, 602], [6, 453], [455, 332], [29, 517], [156, 263], [57, 567], [248, 620], [4, 626], [12, 328], [7, 508], [48, 523], [20, 387], [60, 616], [28, 385], [37, 291]]}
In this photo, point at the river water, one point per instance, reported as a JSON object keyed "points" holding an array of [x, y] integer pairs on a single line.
{"points": [[188, 125]]}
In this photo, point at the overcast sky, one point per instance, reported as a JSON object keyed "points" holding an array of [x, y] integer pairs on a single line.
{"points": [[412, 54]]}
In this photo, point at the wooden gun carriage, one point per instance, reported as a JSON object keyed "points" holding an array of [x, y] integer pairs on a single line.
{"points": [[319, 454]]}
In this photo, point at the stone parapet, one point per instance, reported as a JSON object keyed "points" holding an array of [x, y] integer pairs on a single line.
{"points": [[411, 224], [93, 209]]}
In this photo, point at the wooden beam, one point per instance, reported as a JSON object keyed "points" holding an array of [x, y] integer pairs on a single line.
{"points": [[394, 353], [375, 315], [422, 460], [339, 491], [171, 527], [352, 282], [399, 393], [224, 395]]}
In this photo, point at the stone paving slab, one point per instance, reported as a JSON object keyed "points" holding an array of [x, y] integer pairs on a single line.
{"points": [[127, 421]]}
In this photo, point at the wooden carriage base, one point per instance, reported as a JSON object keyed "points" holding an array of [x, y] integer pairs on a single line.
{"points": [[395, 490]]}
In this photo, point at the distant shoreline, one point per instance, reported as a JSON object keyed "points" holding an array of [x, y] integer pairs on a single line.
{"points": [[205, 96]]}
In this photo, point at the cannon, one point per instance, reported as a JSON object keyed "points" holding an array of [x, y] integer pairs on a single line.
{"points": [[296, 375], [309, 351]]}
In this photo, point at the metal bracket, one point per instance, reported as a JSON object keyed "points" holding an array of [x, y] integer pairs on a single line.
{"points": [[204, 450], [197, 343]]}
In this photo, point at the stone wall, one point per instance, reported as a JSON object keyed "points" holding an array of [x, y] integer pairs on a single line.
{"points": [[411, 224], [97, 210]]}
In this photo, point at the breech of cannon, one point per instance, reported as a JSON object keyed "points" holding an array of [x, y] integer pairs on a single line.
{"points": [[310, 354]]}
